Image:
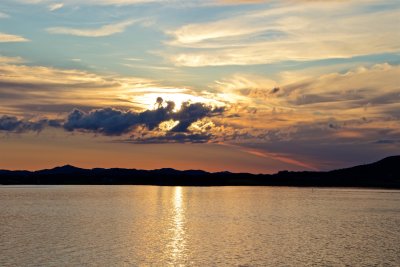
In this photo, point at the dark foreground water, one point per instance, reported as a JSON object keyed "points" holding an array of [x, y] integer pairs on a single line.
{"points": [[214, 226]]}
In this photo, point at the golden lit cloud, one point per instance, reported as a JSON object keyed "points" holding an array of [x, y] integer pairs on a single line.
{"points": [[11, 38], [348, 103], [12, 60], [51, 91]]}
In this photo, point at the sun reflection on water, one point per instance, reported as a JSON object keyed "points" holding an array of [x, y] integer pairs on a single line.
{"points": [[177, 228]]}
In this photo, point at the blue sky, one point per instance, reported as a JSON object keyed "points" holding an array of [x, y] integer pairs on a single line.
{"points": [[318, 76]]}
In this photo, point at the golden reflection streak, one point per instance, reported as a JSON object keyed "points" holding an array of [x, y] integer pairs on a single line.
{"points": [[178, 239]]}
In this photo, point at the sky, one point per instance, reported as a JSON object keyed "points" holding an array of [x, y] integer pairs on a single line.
{"points": [[236, 85]]}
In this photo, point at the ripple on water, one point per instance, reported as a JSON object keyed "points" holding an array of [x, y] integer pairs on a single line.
{"points": [[240, 226]]}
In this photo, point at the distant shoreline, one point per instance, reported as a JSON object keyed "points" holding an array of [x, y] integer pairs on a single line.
{"points": [[384, 174], [386, 189]]}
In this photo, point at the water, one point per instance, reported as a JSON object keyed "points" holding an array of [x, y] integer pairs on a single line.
{"points": [[212, 226]]}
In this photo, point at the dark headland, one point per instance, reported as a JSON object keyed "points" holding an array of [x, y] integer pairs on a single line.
{"points": [[382, 174]]}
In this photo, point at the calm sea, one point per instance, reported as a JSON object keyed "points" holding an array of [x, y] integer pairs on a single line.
{"points": [[206, 226]]}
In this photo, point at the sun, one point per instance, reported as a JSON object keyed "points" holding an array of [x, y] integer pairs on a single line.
{"points": [[149, 99]]}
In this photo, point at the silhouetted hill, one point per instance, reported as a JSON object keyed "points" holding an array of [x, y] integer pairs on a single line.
{"points": [[66, 169], [384, 173]]}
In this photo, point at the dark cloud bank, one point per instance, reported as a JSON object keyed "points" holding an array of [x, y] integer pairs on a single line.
{"points": [[111, 121], [116, 122], [13, 124]]}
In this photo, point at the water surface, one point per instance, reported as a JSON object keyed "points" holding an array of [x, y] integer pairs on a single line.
{"points": [[204, 226]]}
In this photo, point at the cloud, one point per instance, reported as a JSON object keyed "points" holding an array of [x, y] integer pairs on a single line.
{"points": [[3, 15], [360, 88], [107, 121], [10, 38], [360, 105], [51, 91], [111, 121], [348, 143], [241, 2], [387, 141], [93, 2], [55, 6], [54, 92], [351, 106], [138, 2], [190, 113], [13, 124], [105, 30], [122, 2], [284, 32], [170, 137], [8, 60], [281, 157], [257, 108], [143, 127], [329, 154]]}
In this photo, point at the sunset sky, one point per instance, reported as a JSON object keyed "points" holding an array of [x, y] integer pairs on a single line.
{"points": [[243, 86]]}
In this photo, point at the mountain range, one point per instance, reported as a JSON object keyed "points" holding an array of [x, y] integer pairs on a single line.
{"points": [[382, 174]]}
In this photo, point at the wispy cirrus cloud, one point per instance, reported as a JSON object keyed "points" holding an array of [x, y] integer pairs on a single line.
{"points": [[12, 60], [55, 6], [242, 1], [11, 38], [104, 30], [3, 15], [264, 154], [300, 31], [136, 2]]}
